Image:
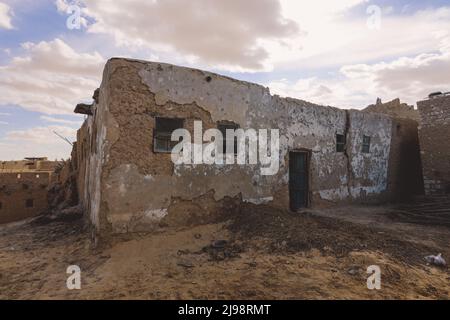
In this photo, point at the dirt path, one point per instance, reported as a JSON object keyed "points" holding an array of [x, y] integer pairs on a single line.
{"points": [[269, 254]]}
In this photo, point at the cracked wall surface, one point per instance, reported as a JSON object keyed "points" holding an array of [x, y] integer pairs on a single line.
{"points": [[128, 187]]}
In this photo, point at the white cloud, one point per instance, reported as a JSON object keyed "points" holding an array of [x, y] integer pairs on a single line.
{"points": [[333, 92], [62, 121], [37, 141], [41, 135], [228, 34], [62, 5], [409, 78], [5, 16], [412, 78], [334, 37], [260, 35], [51, 77], [411, 50]]}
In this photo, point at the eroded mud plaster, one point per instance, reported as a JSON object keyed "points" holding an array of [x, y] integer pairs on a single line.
{"points": [[129, 187]]}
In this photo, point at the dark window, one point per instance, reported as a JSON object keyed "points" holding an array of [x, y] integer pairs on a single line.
{"points": [[340, 143], [25, 186], [1, 206], [29, 203], [366, 144], [163, 133], [223, 127]]}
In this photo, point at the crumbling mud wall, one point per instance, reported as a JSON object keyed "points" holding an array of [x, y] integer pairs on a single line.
{"points": [[93, 143], [128, 187], [29, 164], [434, 136], [62, 192], [405, 178]]}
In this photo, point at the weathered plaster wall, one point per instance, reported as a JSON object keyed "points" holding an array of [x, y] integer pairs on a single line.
{"points": [[434, 133], [140, 190], [94, 140], [366, 173]]}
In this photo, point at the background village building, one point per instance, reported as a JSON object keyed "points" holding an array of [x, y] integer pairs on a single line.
{"points": [[435, 143], [23, 188], [127, 181]]}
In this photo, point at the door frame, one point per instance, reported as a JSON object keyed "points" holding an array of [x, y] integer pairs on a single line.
{"points": [[308, 154]]}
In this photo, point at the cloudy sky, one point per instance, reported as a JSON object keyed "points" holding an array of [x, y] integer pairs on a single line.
{"points": [[342, 53]]}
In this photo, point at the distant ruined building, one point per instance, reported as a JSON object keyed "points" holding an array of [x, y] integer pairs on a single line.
{"points": [[23, 188]]}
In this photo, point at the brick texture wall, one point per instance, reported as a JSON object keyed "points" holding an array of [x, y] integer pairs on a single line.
{"points": [[18, 188], [434, 134]]}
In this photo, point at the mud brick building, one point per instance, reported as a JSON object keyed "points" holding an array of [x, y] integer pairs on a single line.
{"points": [[23, 188], [405, 168], [127, 181], [435, 143]]}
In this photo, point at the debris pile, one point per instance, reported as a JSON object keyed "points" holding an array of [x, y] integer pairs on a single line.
{"points": [[284, 231]]}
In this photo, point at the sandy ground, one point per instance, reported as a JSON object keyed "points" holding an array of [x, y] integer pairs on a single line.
{"points": [[268, 254]]}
